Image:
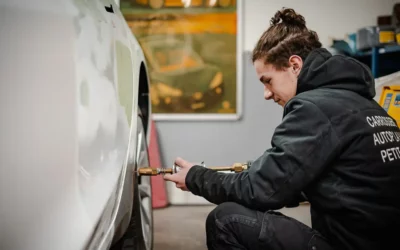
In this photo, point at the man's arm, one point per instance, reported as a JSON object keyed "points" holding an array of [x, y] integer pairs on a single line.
{"points": [[302, 146]]}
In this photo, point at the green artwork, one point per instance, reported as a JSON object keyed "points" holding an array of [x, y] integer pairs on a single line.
{"points": [[191, 51]]}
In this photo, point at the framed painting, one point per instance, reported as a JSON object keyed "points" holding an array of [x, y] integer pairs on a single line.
{"points": [[193, 55]]}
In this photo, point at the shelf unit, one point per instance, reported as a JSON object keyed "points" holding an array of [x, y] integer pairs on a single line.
{"points": [[382, 60]]}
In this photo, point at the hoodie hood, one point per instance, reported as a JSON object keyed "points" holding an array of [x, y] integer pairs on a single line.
{"points": [[322, 70]]}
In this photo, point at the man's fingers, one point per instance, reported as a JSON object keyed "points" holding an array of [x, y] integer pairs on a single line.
{"points": [[170, 177], [181, 186], [182, 163]]}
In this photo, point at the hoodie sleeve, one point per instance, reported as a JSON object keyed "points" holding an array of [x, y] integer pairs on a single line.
{"points": [[302, 145]]}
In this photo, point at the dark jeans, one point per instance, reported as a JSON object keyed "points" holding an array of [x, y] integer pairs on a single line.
{"points": [[232, 226]]}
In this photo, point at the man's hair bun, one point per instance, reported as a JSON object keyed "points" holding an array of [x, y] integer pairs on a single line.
{"points": [[287, 35], [289, 18]]}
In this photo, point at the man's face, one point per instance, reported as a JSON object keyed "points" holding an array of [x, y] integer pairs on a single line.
{"points": [[279, 85]]}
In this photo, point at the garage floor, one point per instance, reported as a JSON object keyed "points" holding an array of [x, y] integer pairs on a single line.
{"points": [[182, 227]]}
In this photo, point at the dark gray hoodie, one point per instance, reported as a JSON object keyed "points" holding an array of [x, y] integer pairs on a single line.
{"points": [[337, 146]]}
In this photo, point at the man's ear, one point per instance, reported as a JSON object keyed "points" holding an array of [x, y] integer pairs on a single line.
{"points": [[296, 64]]}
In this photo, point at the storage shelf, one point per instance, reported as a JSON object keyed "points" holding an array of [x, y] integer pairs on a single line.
{"points": [[380, 50], [382, 60]]}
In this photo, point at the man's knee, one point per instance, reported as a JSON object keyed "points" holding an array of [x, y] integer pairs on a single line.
{"points": [[223, 210], [231, 224]]}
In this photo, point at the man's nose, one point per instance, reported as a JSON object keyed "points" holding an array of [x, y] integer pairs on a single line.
{"points": [[267, 93]]}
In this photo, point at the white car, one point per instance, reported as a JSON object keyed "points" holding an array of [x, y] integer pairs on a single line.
{"points": [[75, 121]]}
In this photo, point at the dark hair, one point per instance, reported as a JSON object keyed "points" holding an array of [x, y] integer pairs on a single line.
{"points": [[287, 36]]}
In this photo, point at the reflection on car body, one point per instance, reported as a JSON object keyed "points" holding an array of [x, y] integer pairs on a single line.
{"points": [[179, 77]]}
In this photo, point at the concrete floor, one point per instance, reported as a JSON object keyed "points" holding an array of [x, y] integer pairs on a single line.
{"points": [[182, 227]]}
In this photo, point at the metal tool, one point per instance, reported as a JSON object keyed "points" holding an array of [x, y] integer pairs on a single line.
{"points": [[237, 168]]}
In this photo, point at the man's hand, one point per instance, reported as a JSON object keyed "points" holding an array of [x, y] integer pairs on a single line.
{"points": [[179, 178]]}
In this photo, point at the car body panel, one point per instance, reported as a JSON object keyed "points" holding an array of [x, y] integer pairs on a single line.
{"points": [[69, 110]]}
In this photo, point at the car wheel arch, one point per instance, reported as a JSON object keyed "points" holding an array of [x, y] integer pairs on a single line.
{"points": [[144, 108]]}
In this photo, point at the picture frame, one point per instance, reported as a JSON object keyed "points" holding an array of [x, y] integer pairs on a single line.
{"points": [[189, 47]]}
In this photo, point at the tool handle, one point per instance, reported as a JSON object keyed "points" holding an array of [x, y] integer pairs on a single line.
{"points": [[148, 171], [237, 168], [221, 168], [177, 168]]}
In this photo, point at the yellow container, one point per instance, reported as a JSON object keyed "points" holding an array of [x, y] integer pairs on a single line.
{"points": [[390, 101], [387, 37]]}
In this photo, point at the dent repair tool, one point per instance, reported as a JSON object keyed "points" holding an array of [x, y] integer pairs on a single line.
{"points": [[149, 171]]}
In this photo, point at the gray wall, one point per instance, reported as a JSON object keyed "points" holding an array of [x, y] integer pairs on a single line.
{"points": [[221, 142]]}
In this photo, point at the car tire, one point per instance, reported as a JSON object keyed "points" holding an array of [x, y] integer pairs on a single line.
{"points": [[139, 234], [156, 4]]}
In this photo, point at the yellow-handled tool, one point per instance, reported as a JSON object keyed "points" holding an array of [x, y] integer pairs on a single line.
{"points": [[149, 171]]}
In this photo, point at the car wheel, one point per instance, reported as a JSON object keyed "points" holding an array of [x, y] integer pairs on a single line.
{"points": [[144, 204], [224, 3], [139, 234], [156, 4]]}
